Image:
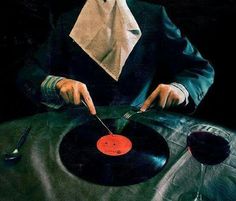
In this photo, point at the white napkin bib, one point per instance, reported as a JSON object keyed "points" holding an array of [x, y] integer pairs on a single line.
{"points": [[107, 32]]}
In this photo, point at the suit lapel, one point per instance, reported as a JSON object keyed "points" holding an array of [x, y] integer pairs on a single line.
{"points": [[138, 13]]}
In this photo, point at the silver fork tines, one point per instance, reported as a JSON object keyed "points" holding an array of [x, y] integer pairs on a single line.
{"points": [[130, 113]]}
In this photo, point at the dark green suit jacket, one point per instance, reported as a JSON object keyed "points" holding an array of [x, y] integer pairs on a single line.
{"points": [[162, 55]]}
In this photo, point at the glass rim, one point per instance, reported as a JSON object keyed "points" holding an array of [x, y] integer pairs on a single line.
{"points": [[207, 128]]}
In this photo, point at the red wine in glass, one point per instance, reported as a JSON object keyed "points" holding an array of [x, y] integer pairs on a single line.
{"points": [[207, 148], [209, 145]]}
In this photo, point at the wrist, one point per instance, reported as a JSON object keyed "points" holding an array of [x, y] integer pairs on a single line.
{"points": [[59, 83]]}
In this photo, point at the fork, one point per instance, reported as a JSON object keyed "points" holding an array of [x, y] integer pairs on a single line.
{"points": [[136, 110], [123, 121], [130, 113]]}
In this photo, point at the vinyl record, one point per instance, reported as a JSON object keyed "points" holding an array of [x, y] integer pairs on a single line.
{"points": [[79, 154]]}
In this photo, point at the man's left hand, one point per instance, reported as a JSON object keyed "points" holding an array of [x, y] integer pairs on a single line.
{"points": [[165, 96]]}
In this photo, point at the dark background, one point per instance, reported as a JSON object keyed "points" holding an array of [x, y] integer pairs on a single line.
{"points": [[209, 24]]}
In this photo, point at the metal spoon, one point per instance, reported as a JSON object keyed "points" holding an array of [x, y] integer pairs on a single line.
{"points": [[15, 156]]}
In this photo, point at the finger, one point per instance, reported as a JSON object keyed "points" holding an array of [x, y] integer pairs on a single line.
{"points": [[176, 98], [164, 93], [63, 93], [76, 95], [150, 99], [88, 100], [170, 100], [175, 102], [178, 95], [70, 96]]}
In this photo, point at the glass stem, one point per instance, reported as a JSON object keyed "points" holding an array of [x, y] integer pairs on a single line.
{"points": [[202, 172]]}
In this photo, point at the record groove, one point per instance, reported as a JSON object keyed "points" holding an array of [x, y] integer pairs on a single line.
{"points": [[79, 154]]}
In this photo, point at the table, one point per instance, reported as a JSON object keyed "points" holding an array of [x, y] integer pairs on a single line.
{"points": [[41, 176]]}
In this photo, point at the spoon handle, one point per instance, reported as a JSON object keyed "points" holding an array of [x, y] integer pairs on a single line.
{"points": [[23, 137]]}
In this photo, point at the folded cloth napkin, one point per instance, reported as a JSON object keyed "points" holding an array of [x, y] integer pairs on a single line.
{"points": [[107, 31]]}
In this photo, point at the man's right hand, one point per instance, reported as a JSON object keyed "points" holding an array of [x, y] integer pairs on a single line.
{"points": [[72, 91]]}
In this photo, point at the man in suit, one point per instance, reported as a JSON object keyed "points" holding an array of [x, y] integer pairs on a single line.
{"points": [[117, 52]]}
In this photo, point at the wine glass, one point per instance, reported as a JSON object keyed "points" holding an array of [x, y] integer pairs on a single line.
{"points": [[209, 145]]}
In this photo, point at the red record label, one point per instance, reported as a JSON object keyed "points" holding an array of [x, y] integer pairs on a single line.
{"points": [[114, 145]]}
